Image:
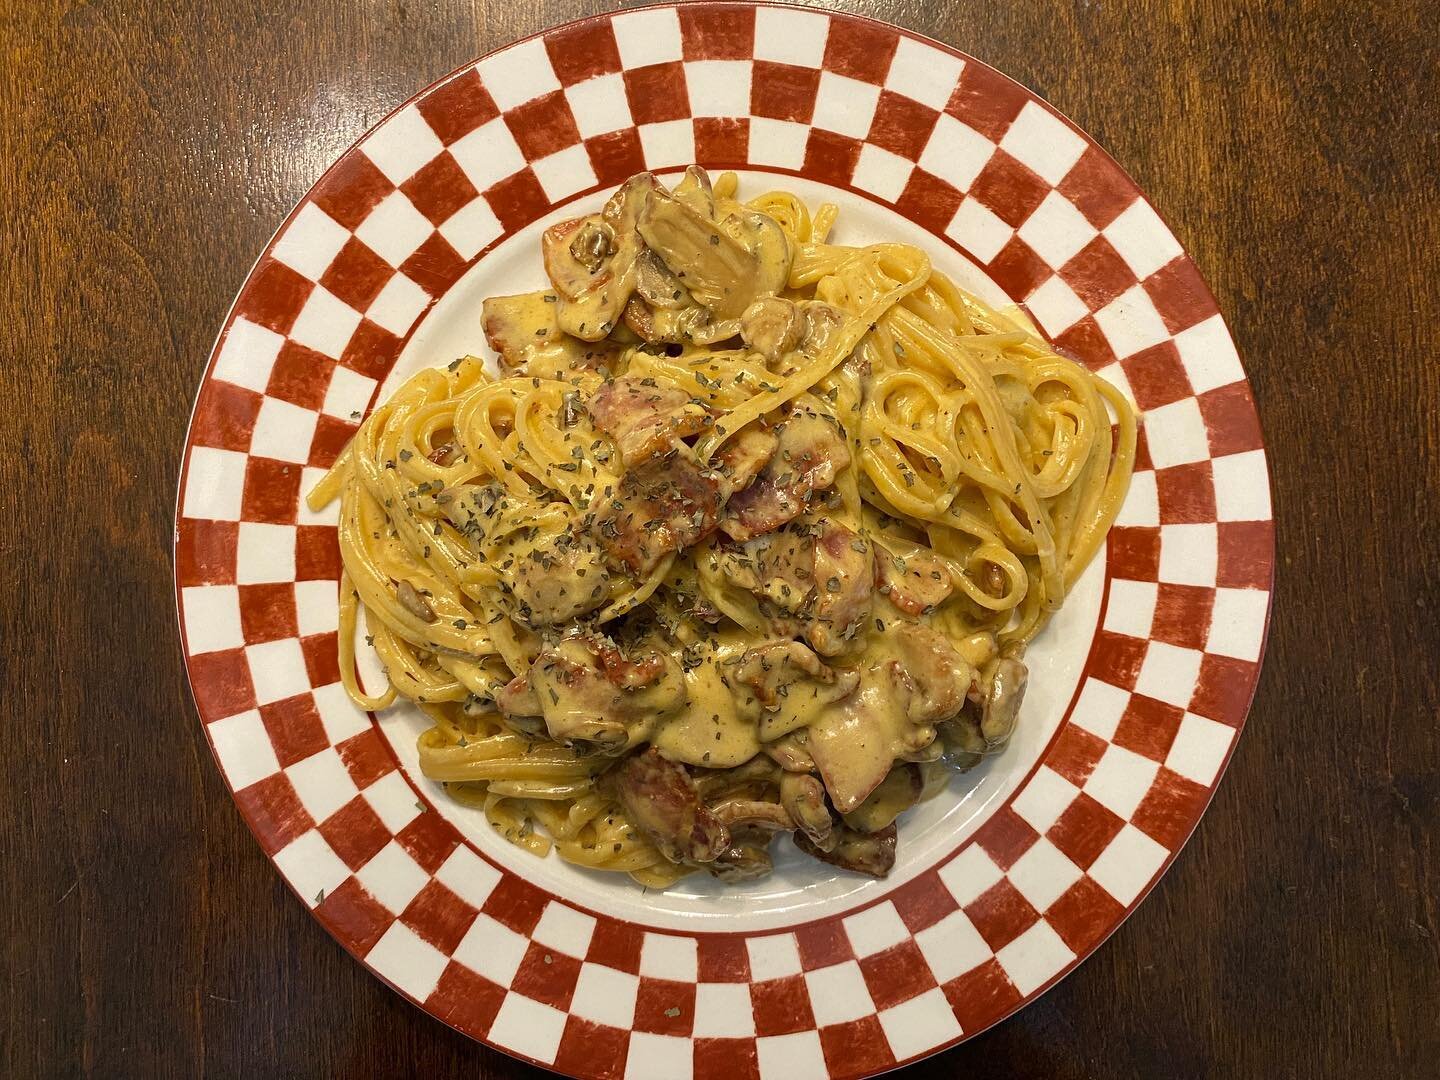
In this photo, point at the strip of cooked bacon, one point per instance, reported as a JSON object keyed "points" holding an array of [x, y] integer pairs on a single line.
{"points": [[644, 417], [916, 583], [811, 452], [842, 588], [872, 853], [664, 505], [660, 798]]}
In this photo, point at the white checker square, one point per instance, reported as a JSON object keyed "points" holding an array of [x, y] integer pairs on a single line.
{"points": [[790, 1056], [1044, 142], [247, 355], [311, 242], [723, 1011], [1043, 874], [1055, 305], [773, 957], [1208, 355], [409, 961], [1099, 708], [471, 228], [1176, 434], [1131, 323], [718, 87], [243, 748], [1169, 673], [394, 801], [349, 391], [402, 145], [325, 324], [393, 877], [469, 877], [212, 618], [845, 106], [1142, 502], [396, 308], [491, 949], [1131, 610], [956, 152], [488, 154], [339, 716], [565, 930], [311, 867], [659, 1057], [952, 947], [264, 554], [920, 1024], [1242, 487], [791, 37], [1188, 554], [599, 105], [777, 142], [316, 607], [838, 994], [1041, 802], [394, 229], [518, 74], [1126, 866], [669, 144], [322, 783], [1121, 780], [564, 173], [605, 996], [977, 229], [1237, 624], [1056, 231], [1199, 748], [881, 173], [215, 484], [875, 929], [1035, 957], [283, 431], [665, 956], [1142, 240], [528, 1027], [923, 73], [969, 874], [647, 37]]}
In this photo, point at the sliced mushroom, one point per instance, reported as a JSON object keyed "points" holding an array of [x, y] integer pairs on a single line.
{"points": [[900, 790], [413, 602], [660, 798], [803, 797], [742, 862], [872, 854], [772, 326], [916, 583], [1002, 702]]}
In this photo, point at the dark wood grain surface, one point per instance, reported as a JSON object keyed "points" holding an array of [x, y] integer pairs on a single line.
{"points": [[148, 148]]}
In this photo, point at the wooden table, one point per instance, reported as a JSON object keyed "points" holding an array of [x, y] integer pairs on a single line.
{"points": [[148, 149]]}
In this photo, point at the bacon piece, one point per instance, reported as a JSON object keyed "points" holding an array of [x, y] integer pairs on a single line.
{"points": [[810, 454], [916, 584], [645, 418], [938, 677], [741, 459], [842, 588], [660, 798], [666, 504]]}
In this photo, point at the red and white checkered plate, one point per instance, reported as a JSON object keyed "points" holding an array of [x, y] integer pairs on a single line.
{"points": [[1007, 880]]}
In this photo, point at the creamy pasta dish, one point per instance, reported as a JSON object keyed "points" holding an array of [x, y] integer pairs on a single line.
{"points": [[747, 536]]}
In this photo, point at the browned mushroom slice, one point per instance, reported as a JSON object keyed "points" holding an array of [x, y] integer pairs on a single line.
{"points": [[811, 452], [872, 854], [937, 675], [842, 588], [900, 790], [772, 326], [660, 799], [743, 862], [666, 504], [644, 417], [1002, 702], [916, 583], [558, 579], [803, 797]]}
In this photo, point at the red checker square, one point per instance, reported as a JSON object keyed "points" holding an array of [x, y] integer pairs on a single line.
{"points": [[294, 726], [300, 376], [981, 996], [317, 553], [616, 944], [1098, 274], [1001, 914], [355, 832], [221, 681], [357, 274], [723, 959], [372, 349], [856, 1048], [546, 975], [1009, 189], [439, 189], [616, 156], [1148, 727], [1075, 753], [582, 51], [434, 266], [465, 1000], [928, 201], [353, 916], [860, 50], [1186, 494], [1224, 689], [429, 839], [272, 491], [923, 902], [1134, 552], [1182, 615], [274, 811], [895, 975], [350, 190], [1084, 830], [823, 944], [518, 200], [1116, 658], [273, 296], [830, 157], [986, 100], [322, 658], [457, 108], [225, 416], [1006, 836], [1017, 269], [1087, 343], [1157, 376], [205, 552], [267, 612], [726, 1059], [657, 93], [783, 91], [1246, 554], [781, 1006], [1180, 295], [331, 437], [719, 33], [367, 757], [664, 1007], [1084, 915], [1230, 420], [516, 903], [1142, 447], [594, 1050], [722, 140], [544, 126], [1171, 808], [901, 125], [1098, 187]]}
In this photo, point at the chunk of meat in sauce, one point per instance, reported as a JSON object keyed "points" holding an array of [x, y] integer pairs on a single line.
{"points": [[916, 583], [742, 458], [665, 505], [899, 791], [645, 418], [561, 578], [864, 853], [789, 683], [842, 588], [936, 675], [659, 796], [810, 454], [772, 326], [525, 332]]}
